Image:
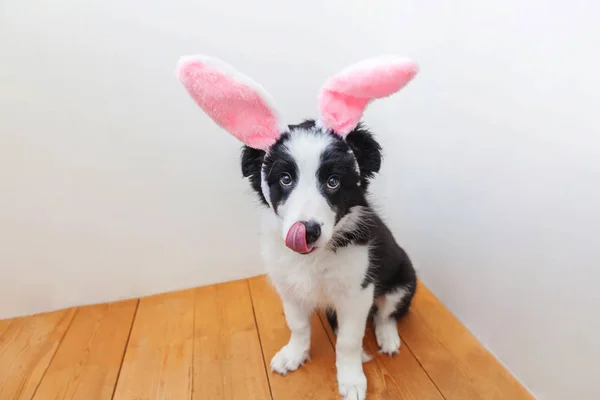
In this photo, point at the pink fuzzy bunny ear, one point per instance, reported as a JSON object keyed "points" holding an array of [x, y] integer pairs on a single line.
{"points": [[345, 96], [235, 102]]}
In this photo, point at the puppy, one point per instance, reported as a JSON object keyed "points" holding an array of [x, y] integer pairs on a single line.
{"points": [[322, 243]]}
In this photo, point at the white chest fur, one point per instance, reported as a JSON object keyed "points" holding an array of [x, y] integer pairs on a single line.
{"points": [[318, 279]]}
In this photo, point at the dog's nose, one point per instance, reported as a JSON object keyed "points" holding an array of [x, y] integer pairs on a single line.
{"points": [[313, 231]]}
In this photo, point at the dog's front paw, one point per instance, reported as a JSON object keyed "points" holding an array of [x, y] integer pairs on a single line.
{"points": [[288, 359], [352, 385], [388, 338]]}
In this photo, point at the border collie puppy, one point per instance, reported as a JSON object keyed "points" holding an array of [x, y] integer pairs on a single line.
{"points": [[322, 243]]}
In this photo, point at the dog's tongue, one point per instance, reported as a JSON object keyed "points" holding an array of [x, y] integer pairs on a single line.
{"points": [[296, 238]]}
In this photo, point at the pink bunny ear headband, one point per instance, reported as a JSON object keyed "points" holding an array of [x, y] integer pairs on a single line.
{"points": [[244, 109]]}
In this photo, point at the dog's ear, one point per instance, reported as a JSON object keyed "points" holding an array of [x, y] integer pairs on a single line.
{"points": [[345, 96], [252, 160], [367, 152], [235, 102]]}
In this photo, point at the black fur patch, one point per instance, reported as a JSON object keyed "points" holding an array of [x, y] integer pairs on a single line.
{"points": [[390, 266], [338, 160], [367, 152], [276, 163], [252, 160]]}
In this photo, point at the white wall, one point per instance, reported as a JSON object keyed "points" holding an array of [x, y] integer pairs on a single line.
{"points": [[113, 184]]}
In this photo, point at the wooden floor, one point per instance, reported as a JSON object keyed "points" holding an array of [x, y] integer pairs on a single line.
{"points": [[215, 342]]}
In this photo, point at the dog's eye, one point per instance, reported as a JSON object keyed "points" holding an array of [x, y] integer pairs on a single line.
{"points": [[333, 182], [285, 180]]}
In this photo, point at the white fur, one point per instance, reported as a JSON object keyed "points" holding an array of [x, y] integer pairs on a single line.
{"points": [[352, 313], [386, 330], [322, 278], [306, 203], [317, 280], [293, 354], [264, 187]]}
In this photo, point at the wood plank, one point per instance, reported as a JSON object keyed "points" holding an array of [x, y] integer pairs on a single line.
{"points": [[317, 378], [4, 324], [88, 360], [228, 360], [397, 377], [458, 364], [158, 359], [26, 349]]}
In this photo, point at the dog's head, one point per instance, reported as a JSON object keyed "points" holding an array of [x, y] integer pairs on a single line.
{"points": [[312, 174]]}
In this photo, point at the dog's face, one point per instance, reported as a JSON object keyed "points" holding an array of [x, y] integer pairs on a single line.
{"points": [[311, 178]]}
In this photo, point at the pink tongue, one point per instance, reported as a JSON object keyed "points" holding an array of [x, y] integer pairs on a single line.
{"points": [[296, 238]]}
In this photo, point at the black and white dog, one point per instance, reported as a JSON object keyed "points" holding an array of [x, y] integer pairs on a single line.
{"points": [[322, 243]]}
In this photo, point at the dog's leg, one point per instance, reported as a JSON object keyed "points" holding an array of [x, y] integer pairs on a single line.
{"points": [[295, 353], [386, 329], [352, 318], [332, 320]]}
